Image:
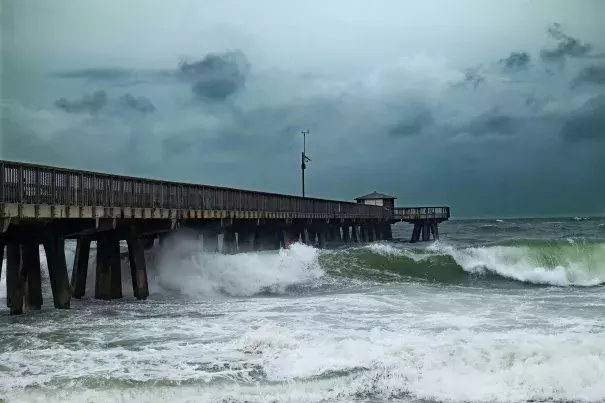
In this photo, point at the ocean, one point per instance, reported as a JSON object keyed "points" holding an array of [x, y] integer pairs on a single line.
{"points": [[497, 311]]}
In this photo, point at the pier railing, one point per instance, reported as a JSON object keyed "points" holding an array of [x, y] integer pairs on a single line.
{"points": [[23, 183], [421, 213]]}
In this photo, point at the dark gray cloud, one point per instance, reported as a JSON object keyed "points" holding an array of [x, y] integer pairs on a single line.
{"points": [[590, 75], [412, 125], [588, 123], [97, 74], [516, 61], [87, 104], [493, 122], [567, 46], [217, 75], [473, 77], [139, 104]]}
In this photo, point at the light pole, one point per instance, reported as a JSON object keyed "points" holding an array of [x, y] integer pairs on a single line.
{"points": [[304, 159]]}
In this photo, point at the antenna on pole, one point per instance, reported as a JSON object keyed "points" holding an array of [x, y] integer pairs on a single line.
{"points": [[304, 159]]}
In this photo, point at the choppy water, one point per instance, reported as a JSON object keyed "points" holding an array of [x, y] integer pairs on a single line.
{"points": [[496, 311]]}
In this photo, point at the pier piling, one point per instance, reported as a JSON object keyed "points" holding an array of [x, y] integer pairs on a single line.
{"points": [[346, 234], [355, 233], [57, 272], [103, 269], [79, 271], [138, 268], [115, 268], [15, 278], [229, 241], [31, 263]]}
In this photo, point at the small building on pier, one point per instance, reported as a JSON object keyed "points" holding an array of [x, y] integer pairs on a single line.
{"points": [[377, 199]]}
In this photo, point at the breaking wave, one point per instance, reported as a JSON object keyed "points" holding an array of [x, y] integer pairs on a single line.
{"points": [[182, 269], [557, 263]]}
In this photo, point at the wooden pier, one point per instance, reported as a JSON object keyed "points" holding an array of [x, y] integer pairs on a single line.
{"points": [[43, 205]]}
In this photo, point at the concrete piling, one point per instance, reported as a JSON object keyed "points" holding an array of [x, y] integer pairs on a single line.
{"points": [[355, 233], [115, 268], [210, 242], [426, 234], [31, 263], [229, 241], [103, 269], [435, 230], [57, 272], [306, 237], [138, 268], [346, 234], [377, 232], [15, 278], [246, 240], [289, 237], [322, 234], [79, 270], [369, 230], [416, 232]]}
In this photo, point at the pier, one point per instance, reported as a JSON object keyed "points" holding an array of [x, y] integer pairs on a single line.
{"points": [[44, 206]]}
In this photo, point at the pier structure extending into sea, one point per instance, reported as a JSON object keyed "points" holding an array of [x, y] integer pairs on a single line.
{"points": [[44, 206]]}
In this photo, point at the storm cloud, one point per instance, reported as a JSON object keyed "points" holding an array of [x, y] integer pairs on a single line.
{"points": [[217, 75], [492, 122], [590, 75], [567, 46], [87, 104], [588, 123], [139, 104], [516, 60], [430, 120], [411, 125]]}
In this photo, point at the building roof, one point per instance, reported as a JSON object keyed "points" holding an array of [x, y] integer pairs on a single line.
{"points": [[375, 196]]}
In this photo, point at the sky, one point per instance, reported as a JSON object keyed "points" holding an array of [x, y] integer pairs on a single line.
{"points": [[495, 108]]}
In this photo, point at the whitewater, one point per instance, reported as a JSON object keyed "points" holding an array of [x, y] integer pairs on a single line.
{"points": [[497, 311]]}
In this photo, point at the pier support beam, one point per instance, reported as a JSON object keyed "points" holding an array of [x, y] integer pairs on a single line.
{"points": [[426, 234], [346, 234], [57, 272], [377, 232], [138, 268], [108, 284], [322, 234], [435, 230], [290, 236], [385, 229], [355, 233], [306, 237], [416, 232], [246, 240], [336, 234], [229, 241], [15, 278], [210, 240], [31, 263], [369, 231], [79, 271]]}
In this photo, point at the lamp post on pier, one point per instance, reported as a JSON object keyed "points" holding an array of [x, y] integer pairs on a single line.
{"points": [[304, 159]]}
